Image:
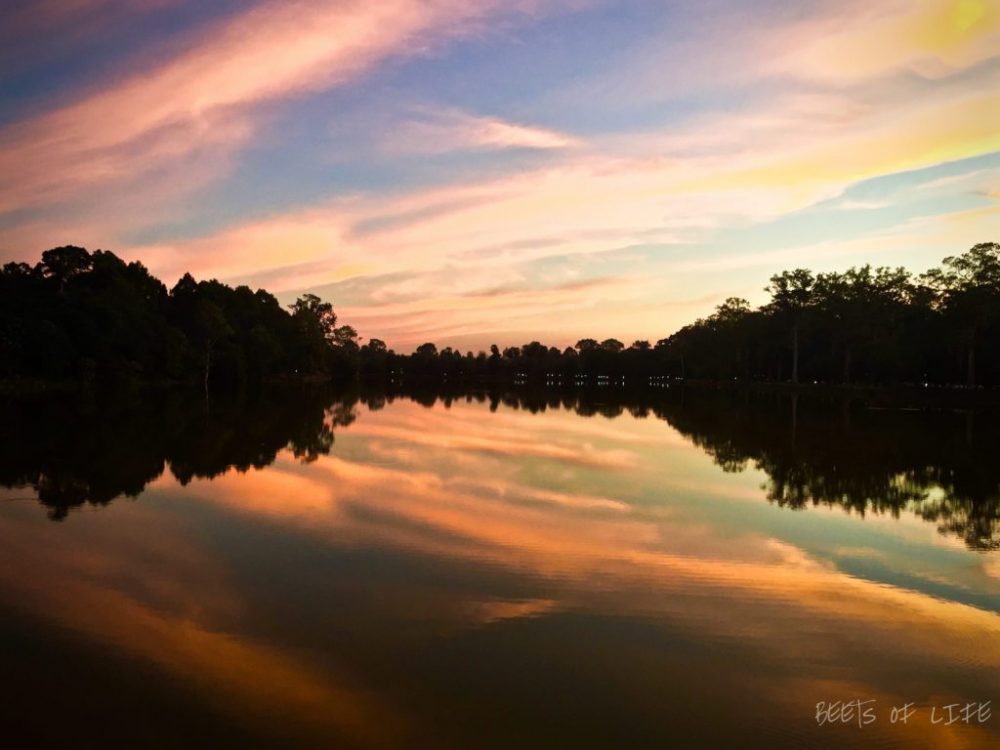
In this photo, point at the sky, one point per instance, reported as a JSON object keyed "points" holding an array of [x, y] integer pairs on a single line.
{"points": [[472, 172]]}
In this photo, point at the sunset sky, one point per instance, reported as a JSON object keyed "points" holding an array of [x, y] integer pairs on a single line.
{"points": [[479, 171]]}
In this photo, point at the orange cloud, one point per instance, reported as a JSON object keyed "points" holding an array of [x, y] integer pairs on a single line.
{"points": [[162, 599]]}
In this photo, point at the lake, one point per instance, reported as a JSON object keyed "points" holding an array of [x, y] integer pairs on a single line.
{"points": [[678, 568]]}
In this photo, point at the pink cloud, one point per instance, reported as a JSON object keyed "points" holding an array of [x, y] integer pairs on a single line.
{"points": [[203, 96], [434, 131]]}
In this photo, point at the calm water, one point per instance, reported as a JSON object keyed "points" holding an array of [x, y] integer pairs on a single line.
{"points": [[686, 570]]}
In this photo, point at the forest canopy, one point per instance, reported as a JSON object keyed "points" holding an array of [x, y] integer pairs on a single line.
{"points": [[92, 317]]}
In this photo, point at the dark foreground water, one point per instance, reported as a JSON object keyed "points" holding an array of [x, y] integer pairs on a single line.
{"points": [[689, 570]]}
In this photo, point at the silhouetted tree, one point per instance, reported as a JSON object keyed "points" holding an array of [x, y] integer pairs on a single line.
{"points": [[969, 288], [791, 296]]}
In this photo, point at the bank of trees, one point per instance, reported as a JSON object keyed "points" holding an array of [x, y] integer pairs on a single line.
{"points": [[94, 317], [865, 325], [871, 325]]}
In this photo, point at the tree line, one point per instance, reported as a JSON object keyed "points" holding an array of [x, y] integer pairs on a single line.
{"points": [[871, 325], [866, 325], [93, 317]]}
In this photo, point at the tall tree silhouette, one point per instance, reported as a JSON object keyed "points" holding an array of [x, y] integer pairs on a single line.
{"points": [[969, 285], [791, 297]]}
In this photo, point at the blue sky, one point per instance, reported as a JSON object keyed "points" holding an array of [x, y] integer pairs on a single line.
{"points": [[479, 172]]}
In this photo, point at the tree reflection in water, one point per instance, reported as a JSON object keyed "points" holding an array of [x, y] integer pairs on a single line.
{"points": [[830, 450], [78, 453]]}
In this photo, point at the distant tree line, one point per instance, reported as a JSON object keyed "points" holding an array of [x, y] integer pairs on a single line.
{"points": [[92, 316], [866, 325]]}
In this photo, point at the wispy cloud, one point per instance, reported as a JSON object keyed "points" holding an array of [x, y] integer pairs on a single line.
{"points": [[934, 38], [435, 132], [200, 99]]}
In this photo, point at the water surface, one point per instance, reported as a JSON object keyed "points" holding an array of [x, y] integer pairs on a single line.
{"points": [[680, 569]]}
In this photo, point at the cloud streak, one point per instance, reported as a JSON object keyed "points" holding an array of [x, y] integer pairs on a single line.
{"points": [[444, 131], [200, 98]]}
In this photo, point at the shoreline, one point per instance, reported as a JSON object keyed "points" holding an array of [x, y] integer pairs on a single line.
{"points": [[890, 394]]}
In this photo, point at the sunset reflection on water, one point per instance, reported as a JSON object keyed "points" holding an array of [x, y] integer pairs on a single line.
{"points": [[448, 575]]}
